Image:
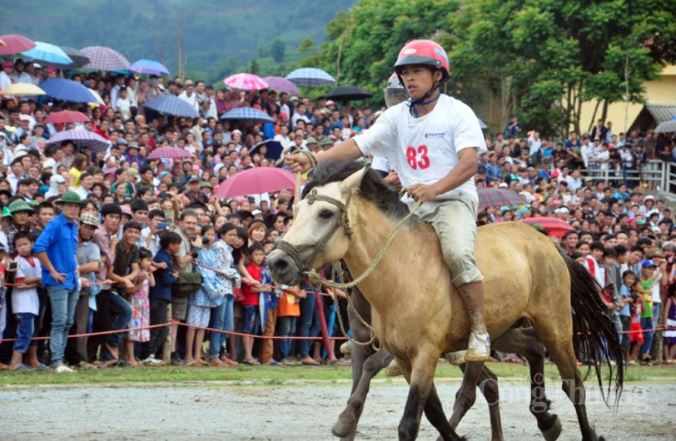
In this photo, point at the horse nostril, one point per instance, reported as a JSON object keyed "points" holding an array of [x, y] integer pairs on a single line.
{"points": [[281, 264]]}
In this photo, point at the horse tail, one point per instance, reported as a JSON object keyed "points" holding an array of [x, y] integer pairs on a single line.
{"points": [[594, 333]]}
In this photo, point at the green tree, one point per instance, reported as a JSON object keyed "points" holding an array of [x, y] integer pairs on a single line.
{"points": [[305, 45], [277, 51], [253, 66]]}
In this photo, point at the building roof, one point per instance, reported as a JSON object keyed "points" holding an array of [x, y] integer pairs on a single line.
{"points": [[661, 112]]}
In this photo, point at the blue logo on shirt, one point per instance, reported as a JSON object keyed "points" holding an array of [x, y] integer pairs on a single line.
{"points": [[434, 135]]}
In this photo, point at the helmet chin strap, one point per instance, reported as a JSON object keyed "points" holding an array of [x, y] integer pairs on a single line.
{"points": [[428, 98]]}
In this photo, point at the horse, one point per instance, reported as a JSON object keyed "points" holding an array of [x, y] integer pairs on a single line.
{"points": [[347, 213], [367, 362]]}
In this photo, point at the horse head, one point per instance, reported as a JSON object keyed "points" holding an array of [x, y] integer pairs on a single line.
{"points": [[321, 230]]}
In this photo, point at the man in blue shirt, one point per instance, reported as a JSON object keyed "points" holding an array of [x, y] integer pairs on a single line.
{"points": [[56, 248]]}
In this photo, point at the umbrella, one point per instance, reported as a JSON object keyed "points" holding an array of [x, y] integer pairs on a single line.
{"points": [[247, 113], [245, 81], [81, 138], [47, 52], [78, 57], [171, 105], [552, 225], [15, 44], [66, 116], [281, 84], [97, 98], [274, 149], [104, 58], [256, 181], [310, 76], [347, 93], [67, 90], [22, 89], [667, 126], [169, 153], [149, 67], [496, 197]]}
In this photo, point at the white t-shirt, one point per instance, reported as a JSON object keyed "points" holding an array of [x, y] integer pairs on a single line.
{"points": [[26, 300], [424, 150]]}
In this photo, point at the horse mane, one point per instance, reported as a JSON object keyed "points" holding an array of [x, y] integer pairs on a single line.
{"points": [[373, 187]]}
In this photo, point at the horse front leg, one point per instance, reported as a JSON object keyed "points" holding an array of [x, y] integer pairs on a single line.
{"points": [[346, 426], [422, 396]]}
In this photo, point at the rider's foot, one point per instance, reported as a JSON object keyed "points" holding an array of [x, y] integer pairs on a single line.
{"points": [[479, 347], [393, 369]]}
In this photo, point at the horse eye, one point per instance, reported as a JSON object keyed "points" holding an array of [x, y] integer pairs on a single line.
{"points": [[326, 214]]}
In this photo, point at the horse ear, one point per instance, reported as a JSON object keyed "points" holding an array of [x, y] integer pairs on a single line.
{"points": [[353, 181]]}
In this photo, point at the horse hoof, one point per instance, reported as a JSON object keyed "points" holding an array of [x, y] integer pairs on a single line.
{"points": [[553, 432], [341, 428]]}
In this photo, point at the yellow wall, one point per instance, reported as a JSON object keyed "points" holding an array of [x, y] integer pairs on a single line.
{"points": [[662, 91]]}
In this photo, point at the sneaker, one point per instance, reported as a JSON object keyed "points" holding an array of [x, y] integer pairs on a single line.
{"points": [[479, 347], [152, 361], [177, 361], [63, 369], [291, 362]]}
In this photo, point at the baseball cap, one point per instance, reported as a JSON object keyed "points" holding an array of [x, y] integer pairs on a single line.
{"points": [[7, 63], [57, 179], [649, 263], [90, 220]]}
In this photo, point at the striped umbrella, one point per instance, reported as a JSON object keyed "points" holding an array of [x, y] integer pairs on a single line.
{"points": [[14, 44], [149, 67], [66, 116], [496, 197], [281, 84], [22, 89], [310, 76], [81, 138], [104, 58], [47, 52], [171, 105], [247, 113], [553, 226], [246, 81], [67, 90], [169, 153]]}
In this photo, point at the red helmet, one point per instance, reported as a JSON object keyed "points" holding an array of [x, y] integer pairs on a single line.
{"points": [[423, 52]]}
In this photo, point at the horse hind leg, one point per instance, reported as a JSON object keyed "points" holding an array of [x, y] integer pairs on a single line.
{"points": [[346, 425], [524, 342]]}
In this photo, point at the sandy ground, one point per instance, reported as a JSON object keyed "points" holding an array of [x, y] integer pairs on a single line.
{"points": [[306, 411]]}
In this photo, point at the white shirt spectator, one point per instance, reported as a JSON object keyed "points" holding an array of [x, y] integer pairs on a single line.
{"points": [[192, 99]]}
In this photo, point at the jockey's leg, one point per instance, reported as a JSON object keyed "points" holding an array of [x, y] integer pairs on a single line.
{"points": [[455, 223]]}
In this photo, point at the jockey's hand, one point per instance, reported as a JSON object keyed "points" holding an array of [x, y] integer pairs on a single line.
{"points": [[392, 179], [297, 163], [421, 192]]}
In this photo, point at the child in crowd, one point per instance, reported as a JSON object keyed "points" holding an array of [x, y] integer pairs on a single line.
{"points": [[636, 309], [141, 306], [251, 293], [287, 316], [645, 287], [624, 308], [670, 323], [25, 302]]}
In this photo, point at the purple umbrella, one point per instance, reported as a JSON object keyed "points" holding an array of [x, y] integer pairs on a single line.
{"points": [[104, 58], [281, 84], [149, 67], [81, 138]]}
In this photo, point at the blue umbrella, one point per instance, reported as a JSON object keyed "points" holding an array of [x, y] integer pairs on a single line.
{"points": [[274, 149], [149, 67], [310, 76], [82, 138], [48, 52], [171, 105], [247, 113], [67, 90]]}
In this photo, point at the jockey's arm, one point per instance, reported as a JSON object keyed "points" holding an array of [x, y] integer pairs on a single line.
{"points": [[462, 172], [343, 151]]}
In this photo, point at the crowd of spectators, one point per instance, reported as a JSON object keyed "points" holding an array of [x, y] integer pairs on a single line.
{"points": [[155, 243]]}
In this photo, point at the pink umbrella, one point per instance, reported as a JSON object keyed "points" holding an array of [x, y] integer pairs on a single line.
{"points": [[169, 153], [66, 116], [246, 81], [281, 84], [14, 43], [256, 181]]}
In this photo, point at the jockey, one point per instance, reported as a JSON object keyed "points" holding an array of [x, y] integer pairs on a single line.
{"points": [[433, 141]]}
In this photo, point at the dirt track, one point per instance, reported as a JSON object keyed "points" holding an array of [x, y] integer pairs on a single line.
{"points": [[298, 412]]}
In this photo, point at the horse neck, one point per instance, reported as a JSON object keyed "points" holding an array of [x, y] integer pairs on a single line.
{"points": [[370, 228]]}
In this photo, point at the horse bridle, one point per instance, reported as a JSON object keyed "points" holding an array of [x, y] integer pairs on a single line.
{"points": [[294, 252]]}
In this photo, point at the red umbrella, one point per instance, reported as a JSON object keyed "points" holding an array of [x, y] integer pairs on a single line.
{"points": [[553, 226], [256, 181], [66, 116], [496, 197], [14, 43], [169, 153]]}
